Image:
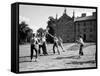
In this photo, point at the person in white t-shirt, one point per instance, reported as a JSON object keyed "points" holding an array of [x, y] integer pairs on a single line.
{"points": [[42, 44], [60, 43], [34, 47], [55, 45], [81, 42]]}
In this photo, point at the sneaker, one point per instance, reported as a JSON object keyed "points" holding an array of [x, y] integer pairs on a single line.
{"points": [[36, 60], [31, 60], [63, 50]]}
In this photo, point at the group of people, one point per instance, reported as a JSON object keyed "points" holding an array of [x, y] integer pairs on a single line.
{"points": [[39, 44]]}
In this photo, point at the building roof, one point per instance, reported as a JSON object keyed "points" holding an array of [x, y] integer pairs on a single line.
{"points": [[65, 17], [85, 18]]}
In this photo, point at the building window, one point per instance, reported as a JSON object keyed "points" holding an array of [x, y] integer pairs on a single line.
{"points": [[78, 27], [67, 36], [90, 29], [84, 24], [90, 22], [90, 36], [84, 37], [84, 29], [62, 20], [78, 24], [94, 27]]}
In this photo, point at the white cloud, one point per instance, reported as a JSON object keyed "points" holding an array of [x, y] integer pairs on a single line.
{"points": [[22, 18]]}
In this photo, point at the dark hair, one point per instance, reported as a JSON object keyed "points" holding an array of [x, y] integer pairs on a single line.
{"points": [[80, 36], [33, 35]]}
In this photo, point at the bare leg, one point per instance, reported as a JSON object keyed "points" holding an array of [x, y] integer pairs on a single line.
{"points": [[36, 54], [61, 45], [81, 50], [44, 49], [54, 48], [31, 52], [58, 49]]}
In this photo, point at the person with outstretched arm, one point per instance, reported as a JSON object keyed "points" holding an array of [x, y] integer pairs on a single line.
{"points": [[55, 45]]}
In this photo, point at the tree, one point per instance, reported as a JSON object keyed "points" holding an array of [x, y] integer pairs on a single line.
{"points": [[51, 24], [29, 33], [40, 31], [25, 33]]}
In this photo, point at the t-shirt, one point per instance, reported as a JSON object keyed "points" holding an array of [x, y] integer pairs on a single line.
{"points": [[34, 41], [81, 41], [43, 39], [60, 40], [55, 39]]}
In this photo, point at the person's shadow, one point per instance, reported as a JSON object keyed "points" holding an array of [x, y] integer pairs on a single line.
{"points": [[69, 57]]}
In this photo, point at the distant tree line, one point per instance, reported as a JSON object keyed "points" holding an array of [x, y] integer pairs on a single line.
{"points": [[51, 30], [51, 22], [24, 33]]}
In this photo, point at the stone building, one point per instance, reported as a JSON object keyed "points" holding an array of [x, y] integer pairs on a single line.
{"points": [[86, 26], [69, 28], [63, 27]]}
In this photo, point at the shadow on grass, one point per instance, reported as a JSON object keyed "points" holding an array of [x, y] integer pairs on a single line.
{"points": [[82, 62], [24, 56], [23, 59], [69, 57], [26, 60], [76, 47]]}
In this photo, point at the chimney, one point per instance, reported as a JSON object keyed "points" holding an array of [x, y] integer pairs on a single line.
{"points": [[83, 15], [94, 14]]}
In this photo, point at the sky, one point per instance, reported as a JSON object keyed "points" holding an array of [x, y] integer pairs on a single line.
{"points": [[37, 16]]}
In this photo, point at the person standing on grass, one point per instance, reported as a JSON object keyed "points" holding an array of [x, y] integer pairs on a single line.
{"points": [[34, 47], [81, 42], [55, 45], [42, 44], [60, 43]]}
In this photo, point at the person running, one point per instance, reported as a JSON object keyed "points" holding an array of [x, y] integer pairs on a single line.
{"points": [[34, 47]]}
